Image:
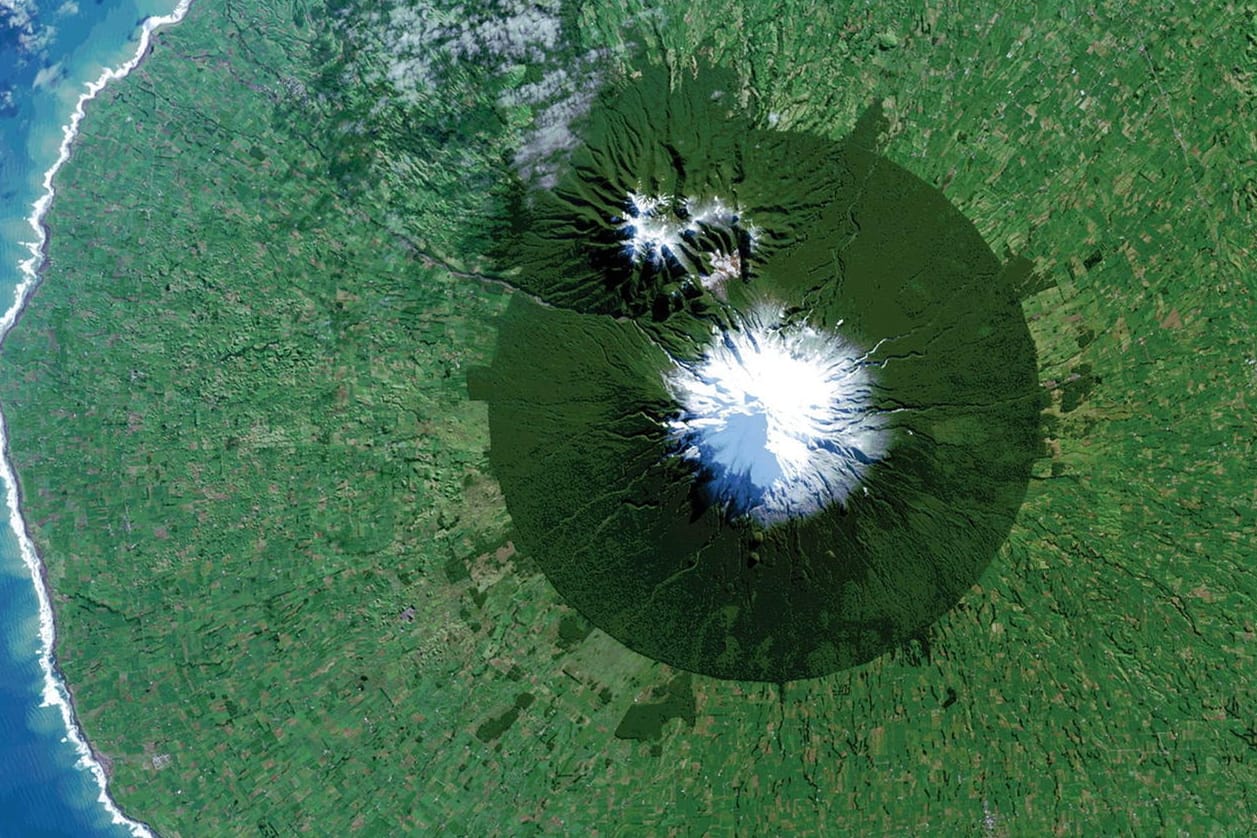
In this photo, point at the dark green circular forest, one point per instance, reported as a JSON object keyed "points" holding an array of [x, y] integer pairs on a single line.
{"points": [[842, 241]]}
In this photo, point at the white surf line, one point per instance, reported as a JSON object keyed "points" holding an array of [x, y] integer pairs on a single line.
{"points": [[55, 692]]}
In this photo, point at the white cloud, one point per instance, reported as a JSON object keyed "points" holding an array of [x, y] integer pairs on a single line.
{"points": [[420, 46], [22, 16], [552, 133], [48, 76], [417, 39]]}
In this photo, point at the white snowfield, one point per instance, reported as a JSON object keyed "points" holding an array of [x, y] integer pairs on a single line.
{"points": [[779, 415]]}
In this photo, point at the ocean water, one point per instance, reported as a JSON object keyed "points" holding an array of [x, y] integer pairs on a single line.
{"points": [[50, 50]]}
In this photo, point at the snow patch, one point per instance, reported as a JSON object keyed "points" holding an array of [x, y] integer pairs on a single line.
{"points": [[778, 416]]}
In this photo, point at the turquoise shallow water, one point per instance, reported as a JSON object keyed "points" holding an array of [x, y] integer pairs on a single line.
{"points": [[49, 49]]}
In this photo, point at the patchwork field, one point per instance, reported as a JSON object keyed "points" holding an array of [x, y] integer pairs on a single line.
{"points": [[289, 594]]}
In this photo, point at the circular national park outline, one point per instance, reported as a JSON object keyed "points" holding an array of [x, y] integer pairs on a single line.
{"points": [[768, 404]]}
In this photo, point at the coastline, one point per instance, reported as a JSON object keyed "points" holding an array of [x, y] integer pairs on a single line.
{"points": [[55, 691]]}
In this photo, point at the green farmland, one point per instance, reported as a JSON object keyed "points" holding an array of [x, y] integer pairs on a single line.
{"points": [[290, 598]]}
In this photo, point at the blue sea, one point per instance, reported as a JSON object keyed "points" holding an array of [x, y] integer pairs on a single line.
{"points": [[49, 51]]}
